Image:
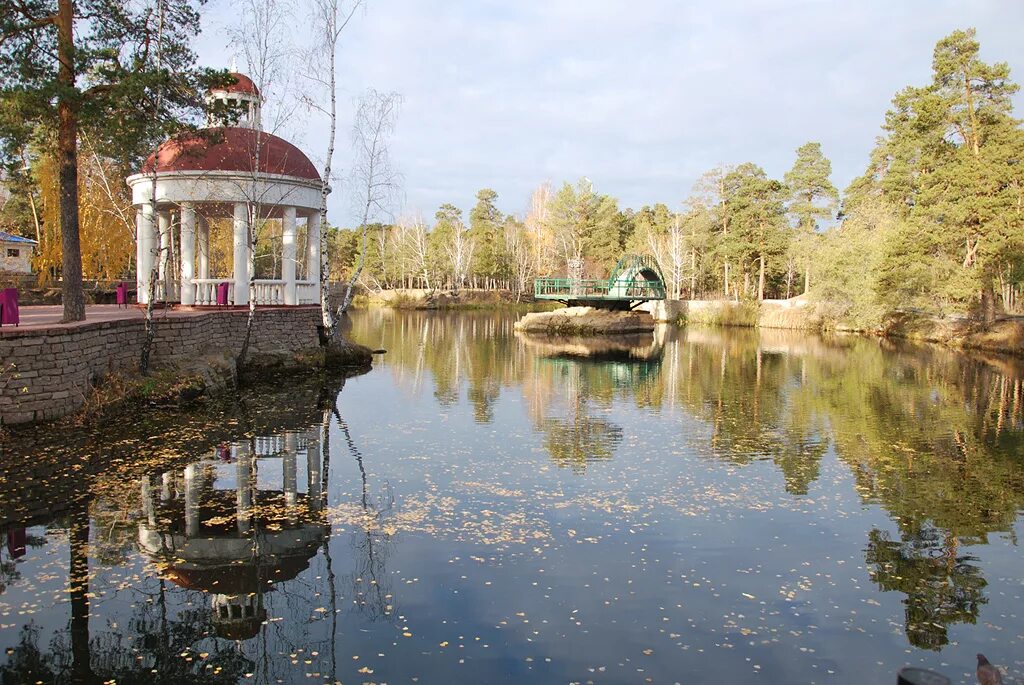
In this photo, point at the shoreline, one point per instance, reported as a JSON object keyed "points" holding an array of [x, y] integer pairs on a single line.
{"points": [[1005, 336], [795, 315]]}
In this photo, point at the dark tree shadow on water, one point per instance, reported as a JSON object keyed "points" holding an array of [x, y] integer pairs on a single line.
{"points": [[942, 587]]}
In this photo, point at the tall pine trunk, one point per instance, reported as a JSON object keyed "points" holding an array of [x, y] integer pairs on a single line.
{"points": [[693, 273], [988, 302], [760, 277], [67, 160]]}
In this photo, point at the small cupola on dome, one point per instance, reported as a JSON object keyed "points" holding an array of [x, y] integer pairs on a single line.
{"points": [[241, 96]]}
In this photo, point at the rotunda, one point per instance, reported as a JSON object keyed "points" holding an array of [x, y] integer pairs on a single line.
{"points": [[237, 172]]}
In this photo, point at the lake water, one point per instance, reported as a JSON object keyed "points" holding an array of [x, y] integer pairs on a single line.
{"points": [[702, 506]]}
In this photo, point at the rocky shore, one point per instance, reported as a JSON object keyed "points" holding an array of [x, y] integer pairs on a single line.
{"points": [[585, 321]]}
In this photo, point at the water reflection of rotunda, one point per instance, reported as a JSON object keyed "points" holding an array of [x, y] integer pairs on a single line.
{"points": [[237, 522]]}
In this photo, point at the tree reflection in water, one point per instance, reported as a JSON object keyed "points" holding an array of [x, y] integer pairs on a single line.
{"points": [[219, 529], [147, 649], [941, 587], [369, 580], [932, 435], [570, 376]]}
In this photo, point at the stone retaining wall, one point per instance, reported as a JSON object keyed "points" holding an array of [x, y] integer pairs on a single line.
{"points": [[48, 373]]}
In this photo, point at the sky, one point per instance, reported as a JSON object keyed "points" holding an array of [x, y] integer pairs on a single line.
{"points": [[639, 96]]}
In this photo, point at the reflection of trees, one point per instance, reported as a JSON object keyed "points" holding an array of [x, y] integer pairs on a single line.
{"points": [[931, 435], [579, 439], [475, 348], [78, 588], [149, 651], [925, 436], [802, 443], [27, 663], [941, 587], [755, 397], [578, 436], [370, 580]]}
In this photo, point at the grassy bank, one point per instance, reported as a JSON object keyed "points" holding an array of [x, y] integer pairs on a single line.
{"points": [[450, 300], [1005, 336], [749, 314]]}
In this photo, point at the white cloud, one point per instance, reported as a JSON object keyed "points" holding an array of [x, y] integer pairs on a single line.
{"points": [[641, 96]]}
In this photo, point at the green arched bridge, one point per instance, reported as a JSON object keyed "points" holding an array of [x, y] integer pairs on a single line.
{"points": [[636, 278]]}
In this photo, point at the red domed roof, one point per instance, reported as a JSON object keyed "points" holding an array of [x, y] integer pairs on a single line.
{"points": [[231, 149], [242, 84]]}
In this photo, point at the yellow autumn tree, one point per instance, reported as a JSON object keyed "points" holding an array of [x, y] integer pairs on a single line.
{"points": [[106, 218]]}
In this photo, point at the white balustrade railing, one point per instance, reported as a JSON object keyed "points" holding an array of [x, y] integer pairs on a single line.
{"points": [[268, 446], [268, 291], [306, 292], [206, 290]]}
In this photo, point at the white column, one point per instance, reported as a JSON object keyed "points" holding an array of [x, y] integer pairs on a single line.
{"points": [[288, 255], [313, 472], [243, 487], [241, 258], [313, 249], [148, 506], [139, 259], [204, 247], [165, 486], [188, 253], [164, 257], [192, 495], [291, 473], [147, 233]]}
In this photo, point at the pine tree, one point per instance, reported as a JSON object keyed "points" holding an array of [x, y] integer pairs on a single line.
{"points": [[91, 67], [758, 239], [812, 198], [587, 226], [485, 231], [949, 165]]}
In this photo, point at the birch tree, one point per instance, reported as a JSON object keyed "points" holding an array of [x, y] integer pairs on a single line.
{"points": [[519, 248], [413, 250], [375, 183], [536, 223], [455, 242], [329, 18]]}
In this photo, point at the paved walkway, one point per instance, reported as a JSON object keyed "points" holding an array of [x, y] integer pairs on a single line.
{"points": [[48, 316]]}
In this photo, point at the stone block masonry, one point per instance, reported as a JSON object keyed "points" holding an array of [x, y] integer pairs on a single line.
{"points": [[47, 373]]}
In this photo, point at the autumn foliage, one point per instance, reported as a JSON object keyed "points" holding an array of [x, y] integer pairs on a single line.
{"points": [[107, 219]]}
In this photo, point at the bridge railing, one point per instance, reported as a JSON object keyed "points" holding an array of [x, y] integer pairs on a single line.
{"points": [[636, 289], [598, 289]]}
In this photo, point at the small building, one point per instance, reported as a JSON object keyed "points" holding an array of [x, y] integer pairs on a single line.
{"points": [[16, 253]]}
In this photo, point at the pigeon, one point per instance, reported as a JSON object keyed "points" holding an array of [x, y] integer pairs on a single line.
{"points": [[987, 673]]}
